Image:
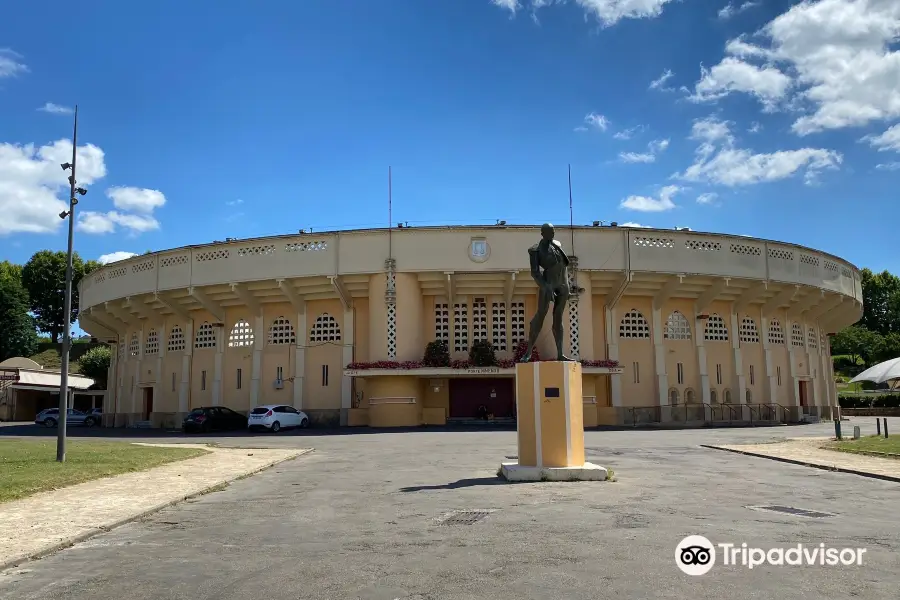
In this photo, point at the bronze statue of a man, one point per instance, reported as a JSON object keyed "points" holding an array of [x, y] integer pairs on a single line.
{"points": [[549, 267]]}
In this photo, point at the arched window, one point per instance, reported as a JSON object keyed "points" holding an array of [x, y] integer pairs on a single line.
{"points": [[796, 336], [151, 346], [726, 396], [749, 396], [811, 338], [713, 397], [776, 335], [634, 326], [716, 330], [673, 396], [282, 332], [677, 327], [176, 340], [325, 329], [241, 335], [134, 348], [206, 336], [749, 332], [689, 396]]}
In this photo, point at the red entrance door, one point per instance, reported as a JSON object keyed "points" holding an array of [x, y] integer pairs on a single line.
{"points": [[497, 395], [803, 399]]}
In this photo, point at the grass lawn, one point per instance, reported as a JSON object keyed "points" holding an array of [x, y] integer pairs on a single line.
{"points": [[29, 466], [872, 443]]}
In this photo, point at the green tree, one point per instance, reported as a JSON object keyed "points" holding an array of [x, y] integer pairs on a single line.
{"points": [[95, 364], [858, 343], [10, 270], [44, 278], [881, 302], [17, 334]]}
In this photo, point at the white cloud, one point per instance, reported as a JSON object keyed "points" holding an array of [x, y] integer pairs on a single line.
{"points": [[56, 109], [891, 166], [596, 121], [767, 83], [30, 179], [10, 63], [234, 202], [101, 223], [633, 224], [660, 82], [114, 256], [136, 199], [718, 160], [754, 128], [707, 198], [840, 54], [654, 148], [627, 134], [648, 204], [889, 140], [607, 12], [732, 9]]}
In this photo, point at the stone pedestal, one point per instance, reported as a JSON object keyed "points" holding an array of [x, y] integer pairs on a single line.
{"points": [[550, 425]]}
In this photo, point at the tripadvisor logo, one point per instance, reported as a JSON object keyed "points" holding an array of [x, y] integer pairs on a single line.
{"points": [[696, 555]]}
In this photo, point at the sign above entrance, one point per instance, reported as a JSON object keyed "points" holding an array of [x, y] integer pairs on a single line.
{"points": [[483, 371]]}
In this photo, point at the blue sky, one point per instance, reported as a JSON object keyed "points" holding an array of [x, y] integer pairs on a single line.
{"points": [[204, 120]]}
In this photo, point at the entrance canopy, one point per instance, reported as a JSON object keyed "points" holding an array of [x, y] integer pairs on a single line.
{"points": [[886, 371], [25, 374]]}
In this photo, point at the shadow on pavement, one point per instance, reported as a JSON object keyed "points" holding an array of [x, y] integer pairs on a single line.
{"points": [[462, 483]]}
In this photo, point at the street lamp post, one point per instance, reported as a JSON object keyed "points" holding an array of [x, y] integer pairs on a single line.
{"points": [[67, 304]]}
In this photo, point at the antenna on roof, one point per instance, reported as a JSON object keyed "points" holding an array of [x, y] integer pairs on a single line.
{"points": [[390, 216], [571, 214]]}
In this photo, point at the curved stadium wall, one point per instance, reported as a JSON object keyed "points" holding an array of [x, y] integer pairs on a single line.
{"points": [[670, 326]]}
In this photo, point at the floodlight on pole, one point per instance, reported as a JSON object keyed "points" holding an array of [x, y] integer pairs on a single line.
{"points": [[67, 310]]}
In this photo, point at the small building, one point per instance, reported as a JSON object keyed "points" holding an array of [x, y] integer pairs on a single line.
{"points": [[26, 388]]}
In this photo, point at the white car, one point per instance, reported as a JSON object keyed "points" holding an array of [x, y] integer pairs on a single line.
{"points": [[275, 417]]}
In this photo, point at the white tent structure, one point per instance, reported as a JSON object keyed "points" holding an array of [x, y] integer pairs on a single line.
{"points": [[887, 371]]}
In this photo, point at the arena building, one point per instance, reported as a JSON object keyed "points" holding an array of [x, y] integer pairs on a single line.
{"points": [[670, 325]]}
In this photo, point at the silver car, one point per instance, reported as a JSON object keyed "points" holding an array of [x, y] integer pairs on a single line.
{"points": [[50, 418]]}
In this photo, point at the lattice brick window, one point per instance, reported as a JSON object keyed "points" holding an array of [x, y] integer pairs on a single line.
{"points": [[172, 261], [716, 330], [211, 255], [120, 272], [845, 272], [147, 265], [134, 347], [781, 254], [653, 242], [812, 261], [241, 335], [811, 339], [281, 332], [100, 277], [517, 323], [151, 346], [316, 246], [746, 250], [703, 245], [479, 320], [634, 326], [796, 335], [498, 326], [122, 351], [176, 340], [677, 327], [325, 329], [460, 327], [441, 322], [206, 336], [574, 337], [392, 330], [749, 333], [257, 250], [776, 335]]}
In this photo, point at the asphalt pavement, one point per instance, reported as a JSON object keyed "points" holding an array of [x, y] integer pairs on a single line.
{"points": [[361, 518]]}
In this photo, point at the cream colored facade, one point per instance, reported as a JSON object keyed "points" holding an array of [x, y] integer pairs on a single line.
{"points": [[705, 327]]}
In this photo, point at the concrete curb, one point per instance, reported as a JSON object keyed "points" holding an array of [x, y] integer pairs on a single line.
{"points": [[802, 463], [75, 539]]}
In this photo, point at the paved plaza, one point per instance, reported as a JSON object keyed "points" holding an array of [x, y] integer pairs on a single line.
{"points": [[360, 518]]}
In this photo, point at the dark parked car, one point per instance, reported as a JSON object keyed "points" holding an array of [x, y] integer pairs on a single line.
{"points": [[213, 418]]}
